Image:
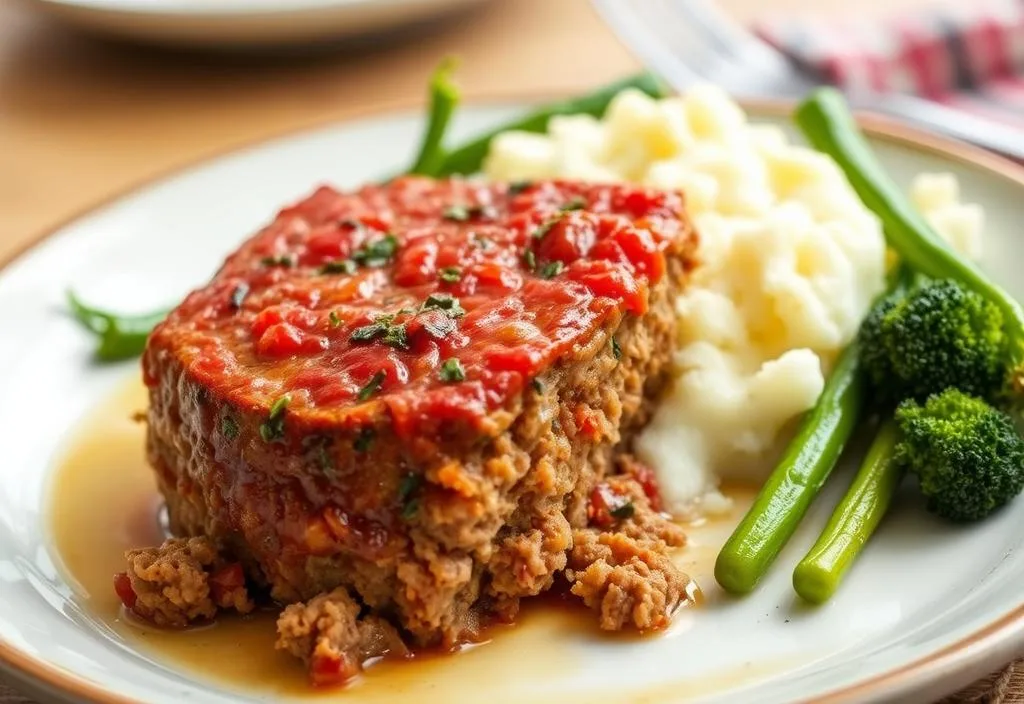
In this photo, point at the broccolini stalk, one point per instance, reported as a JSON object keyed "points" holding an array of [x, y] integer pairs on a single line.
{"points": [[825, 120], [444, 98]]}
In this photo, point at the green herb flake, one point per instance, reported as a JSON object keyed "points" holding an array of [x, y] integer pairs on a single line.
{"points": [[482, 242], [616, 349], [396, 337], [537, 385], [333, 319], [552, 269], [377, 253], [238, 295], [407, 491], [452, 371], [285, 261], [517, 187], [272, 428], [410, 509], [366, 333], [443, 302], [623, 511], [339, 266], [372, 386], [450, 274], [364, 440], [229, 427], [545, 227], [458, 213], [577, 203], [530, 259]]}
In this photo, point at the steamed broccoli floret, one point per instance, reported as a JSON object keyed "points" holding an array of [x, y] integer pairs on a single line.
{"points": [[939, 335], [967, 455]]}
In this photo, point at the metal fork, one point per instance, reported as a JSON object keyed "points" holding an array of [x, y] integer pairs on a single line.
{"points": [[689, 41]]}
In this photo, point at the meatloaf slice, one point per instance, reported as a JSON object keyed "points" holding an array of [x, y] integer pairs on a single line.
{"points": [[410, 390]]}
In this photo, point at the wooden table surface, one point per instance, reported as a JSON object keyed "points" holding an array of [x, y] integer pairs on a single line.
{"points": [[82, 121]]}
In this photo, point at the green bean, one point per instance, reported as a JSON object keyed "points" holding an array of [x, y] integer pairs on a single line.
{"points": [[819, 574], [468, 158], [120, 336], [444, 98], [796, 480], [825, 120]]}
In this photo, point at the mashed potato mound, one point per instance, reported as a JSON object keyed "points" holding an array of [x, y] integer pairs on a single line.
{"points": [[791, 261]]}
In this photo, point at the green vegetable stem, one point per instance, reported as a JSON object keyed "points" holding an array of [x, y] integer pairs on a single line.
{"points": [[444, 98], [795, 481], [119, 336], [855, 519], [468, 158]]}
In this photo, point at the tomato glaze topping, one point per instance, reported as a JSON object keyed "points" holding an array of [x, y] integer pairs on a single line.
{"points": [[352, 300]]}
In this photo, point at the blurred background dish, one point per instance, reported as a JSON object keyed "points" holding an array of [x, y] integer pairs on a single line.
{"points": [[238, 24]]}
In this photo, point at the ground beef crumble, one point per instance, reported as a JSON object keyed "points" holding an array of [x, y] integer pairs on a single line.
{"points": [[620, 566], [181, 581], [329, 635]]}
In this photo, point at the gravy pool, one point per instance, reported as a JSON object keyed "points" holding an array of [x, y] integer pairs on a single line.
{"points": [[104, 501]]}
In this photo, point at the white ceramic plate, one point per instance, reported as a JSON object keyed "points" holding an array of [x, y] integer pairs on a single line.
{"points": [[244, 23], [927, 609]]}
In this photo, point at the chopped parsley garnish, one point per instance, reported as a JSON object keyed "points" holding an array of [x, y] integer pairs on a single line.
{"points": [[273, 427], [238, 295], [623, 511], [407, 491], [545, 227], [482, 242], [333, 319], [339, 266], [450, 274], [366, 333], [459, 213], [364, 440], [517, 187], [444, 302], [283, 260], [552, 269], [616, 349], [538, 385], [452, 371], [372, 386], [530, 259], [229, 427], [376, 253], [576, 203], [395, 336]]}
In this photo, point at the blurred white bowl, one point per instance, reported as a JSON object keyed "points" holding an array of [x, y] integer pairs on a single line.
{"points": [[244, 23]]}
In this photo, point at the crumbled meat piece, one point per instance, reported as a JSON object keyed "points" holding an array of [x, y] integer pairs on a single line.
{"points": [[183, 580], [328, 634], [624, 572]]}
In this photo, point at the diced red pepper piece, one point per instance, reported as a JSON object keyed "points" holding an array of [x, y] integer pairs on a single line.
{"points": [[125, 591], [226, 580], [330, 670]]}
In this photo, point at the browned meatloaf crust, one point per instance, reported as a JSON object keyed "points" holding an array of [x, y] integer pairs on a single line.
{"points": [[322, 457]]}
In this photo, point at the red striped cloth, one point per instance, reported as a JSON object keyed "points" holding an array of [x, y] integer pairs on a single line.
{"points": [[968, 54]]}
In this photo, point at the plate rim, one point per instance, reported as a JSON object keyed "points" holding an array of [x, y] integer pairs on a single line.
{"points": [[971, 649], [225, 9]]}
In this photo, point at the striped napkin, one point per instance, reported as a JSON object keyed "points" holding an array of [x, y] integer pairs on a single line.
{"points": [[968, 54]]}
